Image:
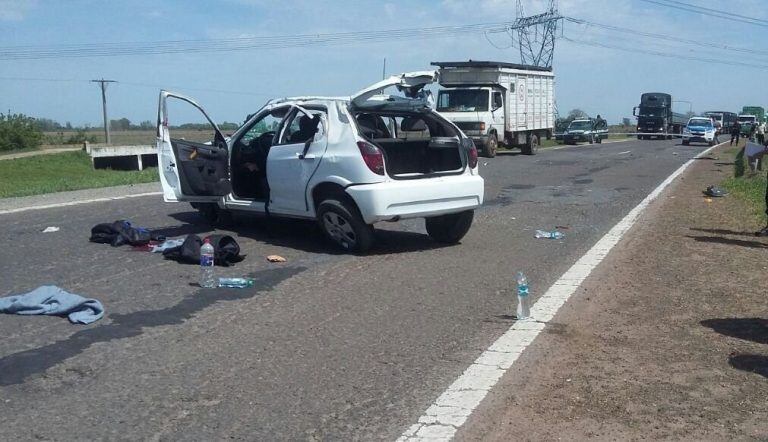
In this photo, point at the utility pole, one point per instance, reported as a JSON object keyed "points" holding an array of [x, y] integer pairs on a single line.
{"points": [[384, 69], [103, 84]]}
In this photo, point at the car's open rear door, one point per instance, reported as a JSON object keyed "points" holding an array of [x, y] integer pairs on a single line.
{"points": [[410, 83], [193, 158]]}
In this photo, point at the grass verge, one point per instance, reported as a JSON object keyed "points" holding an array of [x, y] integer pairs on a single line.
{"points": [[749, 187], [60, 172]]}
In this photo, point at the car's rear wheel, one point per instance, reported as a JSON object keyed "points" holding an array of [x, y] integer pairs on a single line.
{"points": [[341, 222], [491, 146], [449, 229]]}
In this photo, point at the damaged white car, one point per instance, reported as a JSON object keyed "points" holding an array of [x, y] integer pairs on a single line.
{"points": [[347, 162]]}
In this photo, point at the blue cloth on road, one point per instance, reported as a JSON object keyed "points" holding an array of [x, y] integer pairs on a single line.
{"points": [[52, 300], [167, 244]]}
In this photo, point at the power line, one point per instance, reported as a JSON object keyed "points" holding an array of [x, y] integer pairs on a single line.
{"points": [[709, 12], [666, 37], [245, 43], [665, 54]]}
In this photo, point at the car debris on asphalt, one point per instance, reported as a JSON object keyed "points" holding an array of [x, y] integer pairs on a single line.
{"points": [[276, 258], [51, 229]]}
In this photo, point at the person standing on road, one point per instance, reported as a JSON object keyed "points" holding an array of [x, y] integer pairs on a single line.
{"points": [[736, 133], [761, 133]]}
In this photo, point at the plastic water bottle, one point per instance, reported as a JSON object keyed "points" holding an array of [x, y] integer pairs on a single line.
{"points": [[523, 298], [236, 283], [207, 277], [551, 235]]}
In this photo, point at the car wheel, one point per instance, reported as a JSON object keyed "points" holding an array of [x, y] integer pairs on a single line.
{"points": [[491, 147], [531, 145], [212, 214], [342, 224], [449, 229]]}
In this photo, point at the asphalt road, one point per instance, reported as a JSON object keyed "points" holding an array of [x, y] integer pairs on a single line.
{"points": [[327, 346]]}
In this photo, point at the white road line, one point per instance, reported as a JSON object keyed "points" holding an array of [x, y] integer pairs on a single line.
{"points": [[77, 203], [452, 409]]}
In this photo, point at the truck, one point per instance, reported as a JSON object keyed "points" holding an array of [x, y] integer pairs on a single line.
{"points": [[723, 120], [497, 102], [757, 111], [655, 117]]}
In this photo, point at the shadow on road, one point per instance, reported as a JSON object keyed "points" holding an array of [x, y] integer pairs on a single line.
{"points": [[757, 364], [16, 368], [723, 232], [749, 329], [729, 241], [306, 235]]}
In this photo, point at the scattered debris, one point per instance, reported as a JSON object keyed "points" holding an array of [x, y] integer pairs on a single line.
{"points": [[624, 153], [236, 283], [674, 153], [549, 235], [51, 229], [715, 192], [276, 258], [562, 227], [709, 200], [54, 301]]}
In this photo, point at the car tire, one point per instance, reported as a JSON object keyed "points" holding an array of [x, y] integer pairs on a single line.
{"points": [[449, 229], [531, 145], [212, 214], [491, 146], [341, 222]]}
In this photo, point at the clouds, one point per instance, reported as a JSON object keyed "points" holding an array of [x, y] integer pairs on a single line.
{"points": [[15, 10]]}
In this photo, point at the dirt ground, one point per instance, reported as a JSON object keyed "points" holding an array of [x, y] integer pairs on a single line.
{"points": [[668, 339]]}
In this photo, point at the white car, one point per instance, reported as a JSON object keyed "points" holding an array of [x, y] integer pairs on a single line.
{"points": [[347, 162], [699, 129]]}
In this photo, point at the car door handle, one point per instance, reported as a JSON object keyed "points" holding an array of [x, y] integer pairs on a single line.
{"points": [[308, 156]]}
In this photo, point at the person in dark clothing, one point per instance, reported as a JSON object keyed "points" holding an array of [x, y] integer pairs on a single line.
{"points": [[736, 133]]}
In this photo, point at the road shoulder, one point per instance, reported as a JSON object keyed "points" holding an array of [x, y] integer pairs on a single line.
{"points": [[666, 339], [74, 197]]}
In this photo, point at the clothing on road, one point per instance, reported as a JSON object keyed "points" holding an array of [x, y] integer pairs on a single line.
{"points": [[53, 301]]}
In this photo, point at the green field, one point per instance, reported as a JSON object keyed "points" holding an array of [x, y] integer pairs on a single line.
{"points": [[750, 187], [60, 172]]}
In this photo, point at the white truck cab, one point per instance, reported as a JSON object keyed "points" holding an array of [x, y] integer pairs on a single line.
{"points": [[497, 102]]}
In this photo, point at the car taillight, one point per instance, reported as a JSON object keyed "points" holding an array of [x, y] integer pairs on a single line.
{"points": [[372, 156], [469, 145]]}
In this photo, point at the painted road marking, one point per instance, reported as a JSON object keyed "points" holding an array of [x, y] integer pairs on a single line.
{"points": [[452, 409], [77, 203]]}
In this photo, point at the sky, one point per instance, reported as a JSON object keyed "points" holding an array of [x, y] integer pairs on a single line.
{"points": [[233, 84]]}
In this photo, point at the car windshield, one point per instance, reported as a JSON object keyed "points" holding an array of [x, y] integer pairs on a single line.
{"points": [[700, 122], [463, 100], [580, 125], [651, 111], [746, 119]]}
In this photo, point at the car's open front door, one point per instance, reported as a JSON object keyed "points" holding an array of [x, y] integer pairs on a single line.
{"points": [[192, 153]]}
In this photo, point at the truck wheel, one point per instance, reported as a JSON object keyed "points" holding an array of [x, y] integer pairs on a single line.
{"points": [[342, 224], [686, 142], [492, 146], [449, 229], [531, 145]]}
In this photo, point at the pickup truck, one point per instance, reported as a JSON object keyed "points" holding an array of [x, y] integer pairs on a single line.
{"points": [[586, 130]]}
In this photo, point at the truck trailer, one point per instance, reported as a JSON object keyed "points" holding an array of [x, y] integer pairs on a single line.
{"points": [[496, 102], [724, 121], [655, 117]]}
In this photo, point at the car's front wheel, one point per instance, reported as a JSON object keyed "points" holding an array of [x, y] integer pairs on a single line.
{"points": [[451, 228], [342, 224]]}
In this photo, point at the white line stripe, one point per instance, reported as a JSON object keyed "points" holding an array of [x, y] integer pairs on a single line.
{"points": [[77, 203], [452, 409]]}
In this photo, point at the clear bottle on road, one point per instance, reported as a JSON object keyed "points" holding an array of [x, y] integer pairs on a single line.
{"points": [[523, 298], [236, 283], [207, 273], [551, 235]]}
